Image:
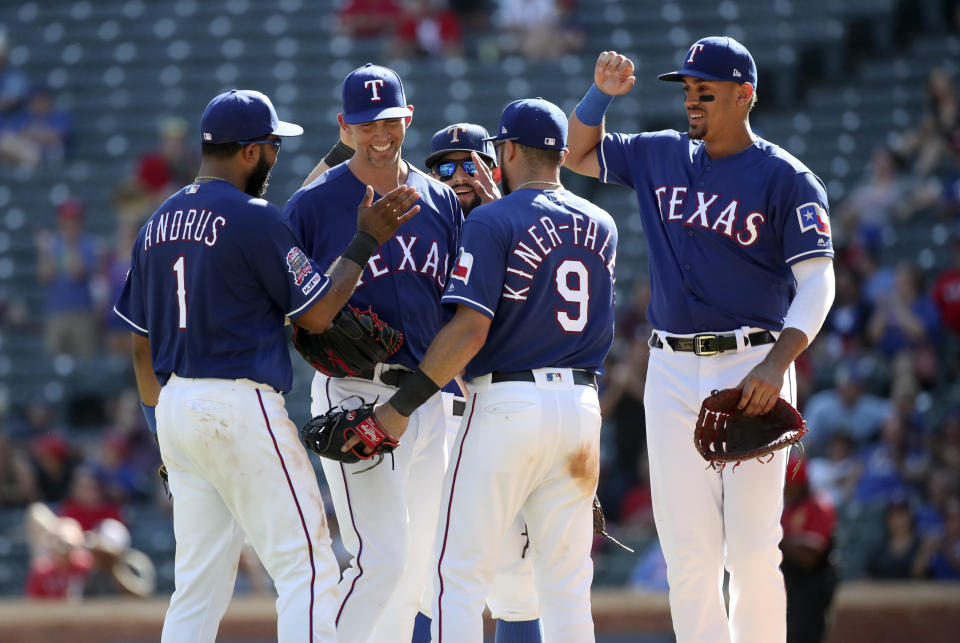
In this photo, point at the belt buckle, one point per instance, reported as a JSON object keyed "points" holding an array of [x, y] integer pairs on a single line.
{"points": [[698, 343]]}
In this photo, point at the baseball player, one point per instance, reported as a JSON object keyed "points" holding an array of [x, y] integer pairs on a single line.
{"points": [[387, 514], [533, 290], [213, 274], [741, 280], [463, 157]]}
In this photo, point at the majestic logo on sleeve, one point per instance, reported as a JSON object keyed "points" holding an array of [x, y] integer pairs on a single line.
{"points": [[813, 217], [298, 265], [463, 268]]}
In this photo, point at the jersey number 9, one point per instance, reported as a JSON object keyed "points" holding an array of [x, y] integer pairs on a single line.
{"points": [[578, 293]]}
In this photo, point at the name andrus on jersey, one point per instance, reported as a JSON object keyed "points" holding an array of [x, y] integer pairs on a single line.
{"points": [[183, 225]]}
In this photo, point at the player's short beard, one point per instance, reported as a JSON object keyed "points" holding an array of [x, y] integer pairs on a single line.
{"points": [[470, 206], [259, 179], [505, 188]]}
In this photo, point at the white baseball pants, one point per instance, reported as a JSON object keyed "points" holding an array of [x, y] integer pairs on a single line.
{"points": [[513, 593], [237, 467], [530, 447], [708, 520], [387, 517]]}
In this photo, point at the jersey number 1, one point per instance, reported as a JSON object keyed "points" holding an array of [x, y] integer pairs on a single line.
{"points": [[178, 269], [579, 294]]}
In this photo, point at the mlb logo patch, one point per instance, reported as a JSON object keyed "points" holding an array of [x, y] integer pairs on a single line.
{"points": [[549, 141], [193, 188], [207, 136], [813, 217], [463, 268], [554, 377], [298, 265]]}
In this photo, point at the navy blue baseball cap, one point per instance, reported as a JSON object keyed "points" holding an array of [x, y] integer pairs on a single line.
{"points": [[373, 93], [533, 122], [717, 58], [243, 115], [461, 137]]}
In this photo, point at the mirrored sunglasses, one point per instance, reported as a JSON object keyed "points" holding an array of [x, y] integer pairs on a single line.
{"points": [[447, 169]]}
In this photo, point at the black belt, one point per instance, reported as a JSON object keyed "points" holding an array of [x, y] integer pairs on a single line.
{"points": [[393, 377], [459, 407], [579, 377], [708, 344]]}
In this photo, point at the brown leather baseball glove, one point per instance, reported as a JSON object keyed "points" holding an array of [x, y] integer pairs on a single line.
{"points": [[356, 342], [724, 434]]}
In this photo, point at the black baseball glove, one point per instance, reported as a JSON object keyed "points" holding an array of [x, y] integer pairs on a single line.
{"points": [[326, 434], [724, 434], [356, 342]]}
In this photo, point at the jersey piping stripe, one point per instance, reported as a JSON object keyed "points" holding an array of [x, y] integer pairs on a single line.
{"points": [[603, 160], [142, 330], [822, 253], [303, 521], [470, 301], [309, 301], [446, 528], [353, 523]]}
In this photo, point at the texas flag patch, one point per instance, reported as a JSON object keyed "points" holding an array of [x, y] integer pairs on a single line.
{"points": [[464, 265], [813, 217]]}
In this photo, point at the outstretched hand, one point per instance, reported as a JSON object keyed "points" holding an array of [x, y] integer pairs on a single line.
{"points": [[381, 219], [483, 180], [613, 74]]}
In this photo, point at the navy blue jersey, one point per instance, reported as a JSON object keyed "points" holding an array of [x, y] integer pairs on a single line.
{"points": [[540, 264], [722, 233], [214, 271], [404, 279]]}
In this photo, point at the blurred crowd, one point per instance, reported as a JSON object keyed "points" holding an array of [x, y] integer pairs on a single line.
{"points": [[876, 496]]}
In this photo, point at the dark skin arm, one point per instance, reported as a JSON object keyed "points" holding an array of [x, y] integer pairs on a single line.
{"points": [[762, 385], [449, 353], [147, 382]]}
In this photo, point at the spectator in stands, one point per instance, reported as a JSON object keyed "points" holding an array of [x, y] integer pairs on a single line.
{"points": [[369, 18], [845, 327], [53, 461], [474, 14], [946, 292], [876, 202], [899, 555], [142, 454], [939, 487], [37, 135], [17, 487], [945, 558], [110, 280], [60, 565], [172, 165], [428, 28], [14, 86], [121, 480], [929, 143], [538, 29], [946, 444], [86, 502], [846, 407], [890, 466], [66, 261], [809, 571], [835, 474], [907, 317]]}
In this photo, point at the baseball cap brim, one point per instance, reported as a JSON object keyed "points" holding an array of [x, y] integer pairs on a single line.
{"points": [[284, 128], [376, 114], [439, 154], [677, 76]]}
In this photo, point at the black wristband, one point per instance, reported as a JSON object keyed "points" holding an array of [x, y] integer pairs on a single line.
{"points": [[360, 248], [415, 390], [339, 153]]}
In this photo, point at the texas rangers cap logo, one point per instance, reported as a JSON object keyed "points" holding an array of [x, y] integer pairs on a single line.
{"points": [[298, 265], [463, 268], [813, 217]]}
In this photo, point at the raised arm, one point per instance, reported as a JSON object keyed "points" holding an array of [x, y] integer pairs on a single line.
{"points": [[612, 76]]}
